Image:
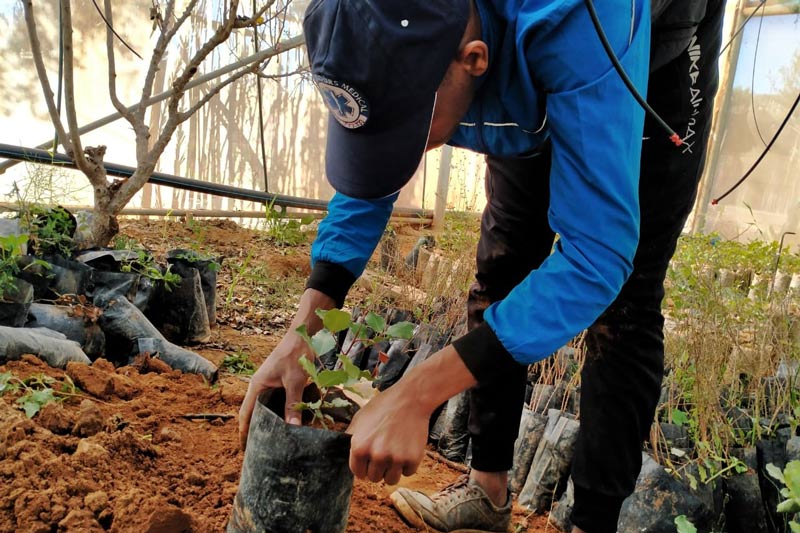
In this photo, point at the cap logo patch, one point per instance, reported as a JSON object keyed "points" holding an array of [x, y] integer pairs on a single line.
{"points": [[348, 105]]}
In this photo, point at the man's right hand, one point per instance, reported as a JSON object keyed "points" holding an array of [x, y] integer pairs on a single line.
{"points": [[281, 368]]}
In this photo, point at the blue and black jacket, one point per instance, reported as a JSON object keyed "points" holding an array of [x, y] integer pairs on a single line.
{"points": [[549, 78]]}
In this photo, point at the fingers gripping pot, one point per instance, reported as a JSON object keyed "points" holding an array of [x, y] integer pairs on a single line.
{"points": [[295, 479]]}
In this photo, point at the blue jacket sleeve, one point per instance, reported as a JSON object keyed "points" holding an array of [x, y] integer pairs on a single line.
{"points": [[596, 131], [346, 238]]}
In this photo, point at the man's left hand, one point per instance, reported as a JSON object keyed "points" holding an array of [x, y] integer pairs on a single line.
{"points": [[390, 432], [389, 436]]}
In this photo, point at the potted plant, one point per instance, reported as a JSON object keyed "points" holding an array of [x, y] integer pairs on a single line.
{"points": [[289, 471], [16, 295]]}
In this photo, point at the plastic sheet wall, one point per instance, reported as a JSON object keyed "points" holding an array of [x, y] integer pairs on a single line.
{"points": [[218, 144]]}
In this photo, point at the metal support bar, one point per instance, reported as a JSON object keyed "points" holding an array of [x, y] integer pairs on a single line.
{"points": [[441, 187], [721, 115], [284, 46], [34, 155], [787, 8], [216, 213]]}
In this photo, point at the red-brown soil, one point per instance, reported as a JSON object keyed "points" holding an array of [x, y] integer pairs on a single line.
{"points": [[120, 456]]}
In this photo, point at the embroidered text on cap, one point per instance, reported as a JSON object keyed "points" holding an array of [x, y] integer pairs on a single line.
{"points": [[348, 105]]}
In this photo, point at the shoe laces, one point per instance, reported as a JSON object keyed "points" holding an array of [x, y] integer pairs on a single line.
{"points": [[453, 490]]}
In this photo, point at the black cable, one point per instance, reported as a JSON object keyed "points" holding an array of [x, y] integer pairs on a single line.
{"points": [[741, 27], [674, 137], [102, 16], [753, 81], [260, 112], [717, 200]]}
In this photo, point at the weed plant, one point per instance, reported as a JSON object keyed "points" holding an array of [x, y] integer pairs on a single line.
{"points": [[724, 346]]}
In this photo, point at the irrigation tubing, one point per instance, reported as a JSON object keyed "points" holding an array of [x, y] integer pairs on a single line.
{"points": [[747, 174], [34, 155], [673, 136], [741, 27]]}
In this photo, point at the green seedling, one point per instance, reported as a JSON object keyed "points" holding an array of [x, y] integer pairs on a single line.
{"points": [[284, 231], [145, 265], [51, 230], [239, 363], [348, 375], [10, 255], [684, 525], [37, 390], [237, 276], [790, 479], [191, 257]]}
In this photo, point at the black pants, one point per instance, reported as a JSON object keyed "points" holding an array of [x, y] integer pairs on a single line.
{"points": [[621, 379]]}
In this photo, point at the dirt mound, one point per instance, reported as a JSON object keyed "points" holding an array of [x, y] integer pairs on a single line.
{"points": [[104, 463], [118, 455]]}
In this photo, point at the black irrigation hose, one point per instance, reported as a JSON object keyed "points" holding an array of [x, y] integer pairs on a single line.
{"points": [[753, 81], [34, 155], [738, 31], [717, 200], [674, 137], [260, 111]]}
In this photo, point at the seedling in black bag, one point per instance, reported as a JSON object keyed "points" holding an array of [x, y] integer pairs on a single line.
{"points": [[374, 330]]}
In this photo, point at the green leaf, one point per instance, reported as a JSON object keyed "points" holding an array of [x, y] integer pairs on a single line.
{"points": [[31, 408], [792, 476], [679, 417], [309, 367], [303, 332], [340, 403], [794, 526], [347, 365], [359, 331], [309, 406], [376, 322], [684, 525], [43, 397], [323, 342], [703, 473], [334, 320], [789, 506], [5, 382], [306, 220], [401, 330], [692, 481], [775, 472], [331, 378]]}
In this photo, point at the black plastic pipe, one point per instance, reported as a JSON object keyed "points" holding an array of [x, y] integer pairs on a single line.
{"points": [[34, 155]]}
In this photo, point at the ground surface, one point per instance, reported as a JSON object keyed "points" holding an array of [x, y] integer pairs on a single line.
{"points": [[120, 456]]}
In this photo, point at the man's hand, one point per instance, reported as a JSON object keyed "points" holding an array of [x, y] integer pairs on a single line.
{"points": [[281, 369], [389, 436], [390, 432]]}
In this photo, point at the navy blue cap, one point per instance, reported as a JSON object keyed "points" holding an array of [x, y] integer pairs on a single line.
{"points": [[378, 64]]}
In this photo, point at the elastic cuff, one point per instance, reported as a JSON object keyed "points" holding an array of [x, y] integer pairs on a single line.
{"points": [[595, 512], [484, 354], [331, 279]]}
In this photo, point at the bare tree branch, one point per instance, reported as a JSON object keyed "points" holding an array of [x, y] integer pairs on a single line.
{"points": [[252, 21], [213, 92], [181, 117], [219, 37], [179, 22], [155, 61], [69, 93], [261, 74], [112, 68], [36, 51]]}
